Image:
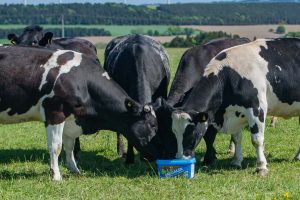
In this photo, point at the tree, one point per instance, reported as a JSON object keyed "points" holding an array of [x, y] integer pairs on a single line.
{"points": [[280, 29]]}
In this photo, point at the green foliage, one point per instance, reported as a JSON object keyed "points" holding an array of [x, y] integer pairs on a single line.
{"points": [[293, 34], [201, 38], [174, 14], [280, 29]]}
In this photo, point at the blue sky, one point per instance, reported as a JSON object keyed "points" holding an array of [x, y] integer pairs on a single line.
{"points": [[136, 2]]}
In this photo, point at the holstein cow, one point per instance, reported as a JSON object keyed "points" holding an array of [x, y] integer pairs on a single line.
{"points": [[141, 66], [33, 36], [190, 70], [241, 85], [65, 88]]}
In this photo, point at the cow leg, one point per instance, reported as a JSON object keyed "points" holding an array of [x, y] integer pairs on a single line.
{"points": [[257, 126], [68, 147], [238, 154], [120, 146], [130, 154], [297, 157], [273, 121], [231, 148], [54, 140], [209, 138], [77, 148]]}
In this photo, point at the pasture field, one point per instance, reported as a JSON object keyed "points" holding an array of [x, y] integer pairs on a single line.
{"points": [[24, 171], [115, 30]]}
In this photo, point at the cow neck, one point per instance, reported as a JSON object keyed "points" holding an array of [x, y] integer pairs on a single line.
{"points": [[108, 99], [206, 96]]}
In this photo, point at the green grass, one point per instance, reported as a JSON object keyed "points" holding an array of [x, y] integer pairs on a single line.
{"points": [[115, 30], [24, 171]]}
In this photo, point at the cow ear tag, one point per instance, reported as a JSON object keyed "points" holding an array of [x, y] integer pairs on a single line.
{"points": [[13, 42], [204, 118], [50, 41], [129, 104]]}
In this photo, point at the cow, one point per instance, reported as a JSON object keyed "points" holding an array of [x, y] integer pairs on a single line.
{"points": [[190, 69], [64, 88], [240, 86], [140, 66], [34, 36], [31, 36]]}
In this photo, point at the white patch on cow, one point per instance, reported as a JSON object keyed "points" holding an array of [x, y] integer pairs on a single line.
{"points": [[52, 63], [233, 124], [179, 122], [33, 114], [105, 74], [71, 131], [54, 140], [150, 109], [1, 45], [277, 108]]}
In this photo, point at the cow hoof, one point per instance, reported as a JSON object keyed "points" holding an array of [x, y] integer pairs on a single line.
{"points": [[236, 165], [75, 170], [57, 178], [209, 162], [272, 125], [262, 172]]}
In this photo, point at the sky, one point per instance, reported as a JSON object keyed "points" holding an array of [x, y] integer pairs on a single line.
{"points": [[135, 2]]}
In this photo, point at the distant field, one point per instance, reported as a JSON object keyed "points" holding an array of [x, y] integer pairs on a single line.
{"points": [[251, 31], [258, 31], [24, 170], [115, 30]]}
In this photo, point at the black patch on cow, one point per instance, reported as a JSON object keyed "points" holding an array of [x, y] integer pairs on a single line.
{"points": [[64, 58], [221, 56], [236, 90], [237, 114], [254, 129], [283, 74], [261, 115]]}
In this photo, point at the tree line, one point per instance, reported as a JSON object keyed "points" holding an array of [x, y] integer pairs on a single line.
{"points": [[174, 14]]}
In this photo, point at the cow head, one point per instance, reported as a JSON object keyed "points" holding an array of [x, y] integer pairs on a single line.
{"points": [[143, 128], [188, 127], [31, 36]]}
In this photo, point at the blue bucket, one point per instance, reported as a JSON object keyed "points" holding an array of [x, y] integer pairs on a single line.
{"points": [[176, 168]]}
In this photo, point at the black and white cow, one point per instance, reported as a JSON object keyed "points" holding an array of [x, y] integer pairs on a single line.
{"points": [[190, 70], [34, 36], [241, 85], [31, 36], [68, 92], [141, 66]]}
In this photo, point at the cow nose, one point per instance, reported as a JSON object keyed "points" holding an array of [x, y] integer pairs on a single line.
{"points": [[188, 154]]}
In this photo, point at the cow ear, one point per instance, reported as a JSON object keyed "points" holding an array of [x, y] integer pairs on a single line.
{"points": [[47, 39], [12, 37], [132, 106], [200, 117]]}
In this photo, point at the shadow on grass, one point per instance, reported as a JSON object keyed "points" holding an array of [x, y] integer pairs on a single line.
{"points": [[225, 164], [97, 165], [23, 155], [92, 163]]}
